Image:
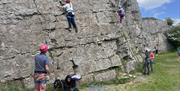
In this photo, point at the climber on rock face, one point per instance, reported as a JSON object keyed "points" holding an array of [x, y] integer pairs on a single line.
{"points": [[41, 70], [70, 15], [121, 14]]}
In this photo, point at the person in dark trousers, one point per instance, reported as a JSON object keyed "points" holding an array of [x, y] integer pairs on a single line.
{"points": [[69, 84], [71, 81], [41, 68], [121, 14], [146, 65], [70, 15], [156, 50]]}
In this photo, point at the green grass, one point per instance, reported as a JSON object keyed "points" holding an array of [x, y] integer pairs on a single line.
{"points": [[12, 87], [16, 87], [166, 75]]}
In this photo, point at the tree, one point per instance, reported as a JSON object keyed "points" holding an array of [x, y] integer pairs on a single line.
{"points": [[174, 35], [169, 21]]}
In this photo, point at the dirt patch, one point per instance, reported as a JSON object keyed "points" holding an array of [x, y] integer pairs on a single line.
{"points": [[176, 89]]}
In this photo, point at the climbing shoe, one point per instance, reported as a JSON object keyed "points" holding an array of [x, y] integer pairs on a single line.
{"points": [[76, 30], [69, 29]]}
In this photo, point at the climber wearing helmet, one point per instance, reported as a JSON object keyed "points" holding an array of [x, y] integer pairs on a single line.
{"points": [[70, 15], [121, 14], [41, 68]]}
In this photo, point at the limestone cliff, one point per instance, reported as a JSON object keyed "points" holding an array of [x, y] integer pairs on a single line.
{"points": [[100, 46], [156, 30]]}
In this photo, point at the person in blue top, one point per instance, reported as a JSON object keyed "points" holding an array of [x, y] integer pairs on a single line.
{"points": [[41, 68]]}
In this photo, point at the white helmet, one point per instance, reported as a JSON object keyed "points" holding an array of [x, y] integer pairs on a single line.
{"points": [[147, 49]]}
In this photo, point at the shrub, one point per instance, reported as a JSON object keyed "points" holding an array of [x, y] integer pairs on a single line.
{"points": [[169, 21], [174, 35]]}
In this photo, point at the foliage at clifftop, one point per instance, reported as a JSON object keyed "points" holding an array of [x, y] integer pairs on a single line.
{"points": [[150, 18], [169, 21], [174, 35]]}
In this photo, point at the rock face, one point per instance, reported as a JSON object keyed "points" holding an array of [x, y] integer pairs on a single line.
{"points": [[100, 46], [156, 30]]}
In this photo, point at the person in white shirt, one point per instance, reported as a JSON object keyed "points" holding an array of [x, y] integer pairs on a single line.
{"points": [[70, 15]]}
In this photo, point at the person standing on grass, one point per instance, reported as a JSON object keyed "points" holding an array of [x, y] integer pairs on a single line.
{"points": [[146, 65], [156, 50], [151, 60], [41, 68]]}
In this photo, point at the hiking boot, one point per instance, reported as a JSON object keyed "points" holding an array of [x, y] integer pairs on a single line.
{"points": [[144, 73], [148, 73], [76, 30]]}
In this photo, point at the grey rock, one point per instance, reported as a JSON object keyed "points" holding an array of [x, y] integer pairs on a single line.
{"points": [[105, 75], [156, 30], [98, 48]]}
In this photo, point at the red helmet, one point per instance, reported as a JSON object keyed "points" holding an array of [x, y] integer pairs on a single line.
{"points": [[43, 48], [67, 1]]}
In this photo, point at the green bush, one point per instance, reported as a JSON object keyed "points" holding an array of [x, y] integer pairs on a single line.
{"points": [[169, 21], [174, 35]]}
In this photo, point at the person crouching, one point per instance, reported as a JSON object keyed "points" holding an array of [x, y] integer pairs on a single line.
{"points": [[69, 84]]}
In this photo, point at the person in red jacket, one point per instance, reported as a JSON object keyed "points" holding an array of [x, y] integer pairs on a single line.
{"points": [[151, 60]]}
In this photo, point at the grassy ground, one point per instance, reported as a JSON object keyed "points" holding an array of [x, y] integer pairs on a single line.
{"points": [[166, 76]]}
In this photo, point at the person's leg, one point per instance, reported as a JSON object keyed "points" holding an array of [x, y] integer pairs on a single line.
{"points": [[74, 23], [36, 82], [69, 22], [148, 68], [151, 65], [144, 68], [120, 19], [40, 82], [42, 85], [36, 87]]}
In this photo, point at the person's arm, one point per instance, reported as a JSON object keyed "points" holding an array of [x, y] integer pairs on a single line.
{"points": [[76, 77], [61, 3], [47, 68]]}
